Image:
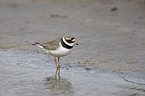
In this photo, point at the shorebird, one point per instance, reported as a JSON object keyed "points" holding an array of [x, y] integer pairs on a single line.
{"points": [[58, 48]]}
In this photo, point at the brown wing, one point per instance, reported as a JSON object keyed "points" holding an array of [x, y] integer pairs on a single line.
{"points": [[51, 45]]}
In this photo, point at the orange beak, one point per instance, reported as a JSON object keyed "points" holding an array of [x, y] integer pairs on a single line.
{"points": [[76, 43]]}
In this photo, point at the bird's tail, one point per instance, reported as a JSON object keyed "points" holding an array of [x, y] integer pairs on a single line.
{"points": [[38, 44]]}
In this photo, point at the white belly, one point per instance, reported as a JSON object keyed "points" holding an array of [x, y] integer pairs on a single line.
{"points": [[60, 51]]}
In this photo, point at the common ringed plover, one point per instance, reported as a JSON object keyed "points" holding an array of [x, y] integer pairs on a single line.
{"points": [[58, 48]]}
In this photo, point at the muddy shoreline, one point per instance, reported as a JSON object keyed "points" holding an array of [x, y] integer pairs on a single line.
{"points": [[111, 37], [29, 73]]}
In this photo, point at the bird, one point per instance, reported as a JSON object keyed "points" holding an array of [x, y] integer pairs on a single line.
{"points": [[58, 48]]}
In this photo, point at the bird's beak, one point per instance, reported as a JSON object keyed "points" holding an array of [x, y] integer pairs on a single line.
{"points": [[76, 43]]}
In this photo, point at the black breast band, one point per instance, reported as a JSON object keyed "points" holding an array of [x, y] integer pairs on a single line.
{"points": [[65, 45]]}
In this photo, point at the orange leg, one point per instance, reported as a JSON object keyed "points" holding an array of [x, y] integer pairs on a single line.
{"points": [[57, 66], [59, 62], [55, 61]]}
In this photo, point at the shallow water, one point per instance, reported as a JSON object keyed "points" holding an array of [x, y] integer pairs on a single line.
{"points": [[33, 74]]}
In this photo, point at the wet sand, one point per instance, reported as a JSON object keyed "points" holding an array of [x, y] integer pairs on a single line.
{"points": [[32, 74], [111, 51]]}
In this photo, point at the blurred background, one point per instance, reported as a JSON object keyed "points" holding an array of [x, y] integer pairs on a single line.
{"points": [[111, 37]]}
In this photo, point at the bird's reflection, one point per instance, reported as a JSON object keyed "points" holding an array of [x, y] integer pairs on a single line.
{"points": [[57, 85], [57, 74]]}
